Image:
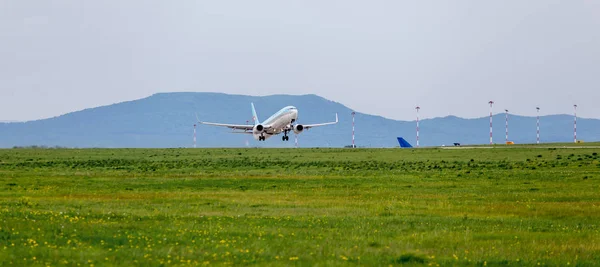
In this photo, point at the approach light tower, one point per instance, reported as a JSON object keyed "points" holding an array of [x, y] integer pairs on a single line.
{"points": [[538, 124], [194, 135], [575, 124], [417, 108], [353, 144], [506, 111], [491, 105], [249, 138]]}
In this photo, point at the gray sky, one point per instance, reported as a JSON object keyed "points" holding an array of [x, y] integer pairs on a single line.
{"points": [[378, 57]]}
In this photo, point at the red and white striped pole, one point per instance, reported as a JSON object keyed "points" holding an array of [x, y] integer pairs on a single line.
{"points": [[248, 138], [296, 140], [575, 125], [353, 144], [417, 108], [491, 104], [538, 124], [506, 110], [194, 135]]}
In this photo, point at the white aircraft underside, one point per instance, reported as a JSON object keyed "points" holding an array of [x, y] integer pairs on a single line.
{"points": [[281, 122]]}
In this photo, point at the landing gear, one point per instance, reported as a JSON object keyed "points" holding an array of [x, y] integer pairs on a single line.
{"points": [[285, 136], [261, 138]]}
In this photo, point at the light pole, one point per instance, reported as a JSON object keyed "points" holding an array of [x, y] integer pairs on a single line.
{"points": [[194, 135], [248, 138], [575, 124], [353, 144], [538, 124], [506, 110], [417, 108], [491, 105]]}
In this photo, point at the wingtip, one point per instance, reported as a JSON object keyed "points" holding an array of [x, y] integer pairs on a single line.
{"points": [[336, 117]]}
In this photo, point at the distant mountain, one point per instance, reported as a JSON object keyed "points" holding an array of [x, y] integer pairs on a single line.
{"points": [[167, 119]]}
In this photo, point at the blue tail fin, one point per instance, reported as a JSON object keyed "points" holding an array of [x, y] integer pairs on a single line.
{"points": [[403, 142], [254, 116]]}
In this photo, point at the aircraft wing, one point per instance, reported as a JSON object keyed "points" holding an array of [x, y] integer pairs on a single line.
{"points": [[308, 126], [245, 132], [231, 126], [244, 127]]}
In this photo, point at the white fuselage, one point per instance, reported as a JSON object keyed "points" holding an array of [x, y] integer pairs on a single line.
{"points": [[280, 121]]}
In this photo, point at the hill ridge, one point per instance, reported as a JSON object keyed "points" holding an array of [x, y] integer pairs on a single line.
{"points": [[166, 120]]}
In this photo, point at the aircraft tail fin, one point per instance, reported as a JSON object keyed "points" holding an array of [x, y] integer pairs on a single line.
{"points": [[403, 143], [254, 116]]}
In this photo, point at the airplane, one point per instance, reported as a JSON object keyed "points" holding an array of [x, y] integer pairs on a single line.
{"points": [[281, 122]]}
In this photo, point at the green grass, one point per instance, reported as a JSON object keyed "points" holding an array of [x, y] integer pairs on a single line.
{"points": [[495, 207]]}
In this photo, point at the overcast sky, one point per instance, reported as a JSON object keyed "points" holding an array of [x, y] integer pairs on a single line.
{"points": [[378, 57]]}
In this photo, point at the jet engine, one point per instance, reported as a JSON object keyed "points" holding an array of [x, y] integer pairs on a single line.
{"points": [[298, 128], [258, 129]]}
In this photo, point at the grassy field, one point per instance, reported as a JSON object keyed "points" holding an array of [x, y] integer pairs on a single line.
{"points": [[495, 207]]}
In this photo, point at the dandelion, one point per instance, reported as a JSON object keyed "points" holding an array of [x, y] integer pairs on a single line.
{"points": [[294, 258]]}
